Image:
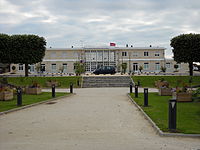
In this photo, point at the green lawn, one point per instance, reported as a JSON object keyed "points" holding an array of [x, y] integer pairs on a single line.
{"points": [[27, 99], [188, 114], [149, 81], [64, 81]]}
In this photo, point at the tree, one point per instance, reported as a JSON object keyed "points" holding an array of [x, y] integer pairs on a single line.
{"points": [[124, 67], [24, 49], [79, 68], [140, 68], [163, 69], [5, 48], [186, 48]]}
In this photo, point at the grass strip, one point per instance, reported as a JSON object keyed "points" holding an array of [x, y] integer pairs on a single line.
{"points": [[188, 113], [27, 100], [149, 81]]}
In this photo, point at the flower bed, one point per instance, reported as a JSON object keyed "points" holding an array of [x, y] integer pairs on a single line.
{"points": [[163, 91], [33, 90]]}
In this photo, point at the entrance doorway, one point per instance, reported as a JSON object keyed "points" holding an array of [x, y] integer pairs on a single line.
{"points": [[135, 67]]}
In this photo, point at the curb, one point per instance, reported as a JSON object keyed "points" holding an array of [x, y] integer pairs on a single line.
{"points": [[34, 104], [157, 129]]}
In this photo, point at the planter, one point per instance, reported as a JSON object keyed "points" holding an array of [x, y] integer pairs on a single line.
{"points": [[33, 91], [50, 83], [165, 91], [160, 84], [183, 96], [6, 95]]}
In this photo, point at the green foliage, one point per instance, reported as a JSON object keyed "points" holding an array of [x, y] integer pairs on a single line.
{"points": [[186, 48], [163, 69], [38, 67], [25, 49], [124, 67], [5, 49], [140, 68], [28, 49], [79, 68], [188, 117]]}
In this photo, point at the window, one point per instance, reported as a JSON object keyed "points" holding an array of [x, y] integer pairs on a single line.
{"points": [[168, 65], [135, 54], [157, 54], [21, 67], [42, 67], [64, 67], [157, 66], [146, 53], [124, 53], [146, 66], [53, 67], [31, 68]]}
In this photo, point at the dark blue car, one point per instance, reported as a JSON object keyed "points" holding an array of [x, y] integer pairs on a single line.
{"points": [[105, 70]]}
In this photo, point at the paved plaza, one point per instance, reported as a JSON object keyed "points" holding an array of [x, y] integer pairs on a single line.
{"points": [[92, 119]]}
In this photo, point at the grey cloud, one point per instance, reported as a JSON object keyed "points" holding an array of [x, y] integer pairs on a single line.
{"points": [[65, 22]]}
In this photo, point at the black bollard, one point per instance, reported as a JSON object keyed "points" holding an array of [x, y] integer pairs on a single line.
{"points": [[53, 91], [136, 91], [131, 88], [19, 96], [172, 115], [71, 88], [145, 97], [78, 83]]}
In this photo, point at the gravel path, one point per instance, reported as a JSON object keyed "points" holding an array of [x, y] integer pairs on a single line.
{"points": [[93, 119]]}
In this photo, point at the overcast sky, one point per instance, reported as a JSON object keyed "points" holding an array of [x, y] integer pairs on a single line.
{"points": [[64, 23]]}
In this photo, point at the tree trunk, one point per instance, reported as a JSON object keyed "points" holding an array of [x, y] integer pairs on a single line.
{"points": [[26, 70], [191, 68]]}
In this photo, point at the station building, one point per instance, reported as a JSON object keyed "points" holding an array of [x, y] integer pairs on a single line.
{"points": [[150, 58]]}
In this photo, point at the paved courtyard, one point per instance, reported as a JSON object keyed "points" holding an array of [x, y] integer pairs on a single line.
{"points": [[93, 119]]}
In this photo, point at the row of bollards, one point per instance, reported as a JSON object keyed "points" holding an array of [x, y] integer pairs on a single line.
{"points": [[171, 110], [19, 93]]}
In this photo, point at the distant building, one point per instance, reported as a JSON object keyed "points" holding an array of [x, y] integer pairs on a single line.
{"points": [[150, 58]]}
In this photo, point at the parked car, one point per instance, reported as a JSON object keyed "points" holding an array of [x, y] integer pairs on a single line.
{"points": [[105, 70]]}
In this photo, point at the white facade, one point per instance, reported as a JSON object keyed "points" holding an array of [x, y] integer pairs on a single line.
{"points": [[150, 58]]}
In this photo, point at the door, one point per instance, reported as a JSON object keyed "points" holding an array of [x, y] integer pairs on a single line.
{"points": [[135, 67]]}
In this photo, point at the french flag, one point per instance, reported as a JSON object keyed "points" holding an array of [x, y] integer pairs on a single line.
{"points": [[112, 44]]}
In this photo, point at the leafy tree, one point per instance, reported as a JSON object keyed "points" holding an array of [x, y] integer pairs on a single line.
{"points": [[140, 68], [186, 48], [124, 67], [163, 69], [24, 49], [5, 48], [79, 68], [61, 69]]}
